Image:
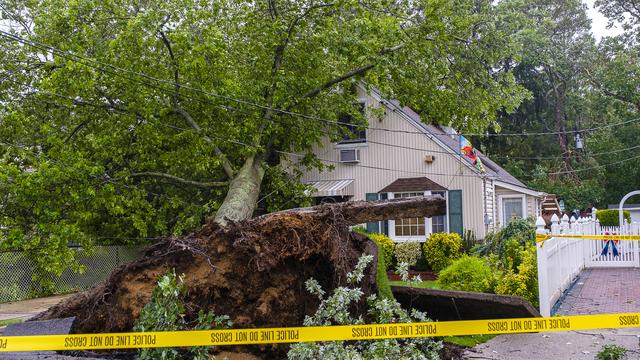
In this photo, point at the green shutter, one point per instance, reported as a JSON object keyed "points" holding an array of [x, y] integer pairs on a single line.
{"points": [[372, 227], [384, 224], [455, 211]]}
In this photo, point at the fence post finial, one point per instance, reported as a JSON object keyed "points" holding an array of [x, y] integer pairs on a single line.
{"points": [[540, 224], [564, 225], [555, 224]]}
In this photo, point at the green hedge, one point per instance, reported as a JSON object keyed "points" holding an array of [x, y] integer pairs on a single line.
{"points": [[468, 273], [611, 217]]}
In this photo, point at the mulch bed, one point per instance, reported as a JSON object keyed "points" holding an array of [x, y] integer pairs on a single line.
{"points": [[424, 275]]}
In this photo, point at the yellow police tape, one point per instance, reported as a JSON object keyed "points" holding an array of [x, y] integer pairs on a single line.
{"points": [[544, 237], [318, 333]]}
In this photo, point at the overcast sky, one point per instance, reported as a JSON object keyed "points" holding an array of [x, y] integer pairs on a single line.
{"points": [[599, 22]]}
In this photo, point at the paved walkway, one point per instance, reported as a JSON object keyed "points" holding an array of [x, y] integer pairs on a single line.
{"points": [[26, 309], [603, 291], [597, 291]]}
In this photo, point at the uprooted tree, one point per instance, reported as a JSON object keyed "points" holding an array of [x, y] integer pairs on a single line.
{"points": [[124, 120], [252, 270]]}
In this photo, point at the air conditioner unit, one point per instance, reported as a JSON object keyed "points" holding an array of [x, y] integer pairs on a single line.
{"points": [[429, 159], [350, 156]]}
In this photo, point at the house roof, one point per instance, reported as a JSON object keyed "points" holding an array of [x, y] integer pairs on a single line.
{"points": [[451, 141], [413, 184]]}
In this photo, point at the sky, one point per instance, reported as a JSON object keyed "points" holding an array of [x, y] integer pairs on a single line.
{"points": [[599, 23]]}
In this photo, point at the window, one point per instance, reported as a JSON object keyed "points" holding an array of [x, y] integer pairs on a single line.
{"points": [[410, 226], [512, 208], [353, 133], [439, 223]]}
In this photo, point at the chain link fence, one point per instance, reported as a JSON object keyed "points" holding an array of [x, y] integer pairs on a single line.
{"points": [[16, 271]]}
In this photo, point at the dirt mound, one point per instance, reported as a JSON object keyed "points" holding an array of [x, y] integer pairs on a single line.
{"points": [[253, 270]]}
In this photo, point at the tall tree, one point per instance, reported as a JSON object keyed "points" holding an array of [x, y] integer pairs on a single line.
{"points": [[138, 118]]}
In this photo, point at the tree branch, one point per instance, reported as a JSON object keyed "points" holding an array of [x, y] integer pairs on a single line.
{"points": [[610, 93], [179, 179], [350, 74], [226, 164], [174, 64]]}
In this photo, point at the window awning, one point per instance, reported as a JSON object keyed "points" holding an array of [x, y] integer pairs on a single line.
{"points": [[333, 188], [413, 184]]}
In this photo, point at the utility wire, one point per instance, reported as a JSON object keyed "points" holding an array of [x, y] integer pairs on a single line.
{"points": [[372, 167], [82, 60]]}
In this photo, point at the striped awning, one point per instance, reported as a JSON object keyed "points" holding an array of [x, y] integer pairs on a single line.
{"points": [[333, 188]]}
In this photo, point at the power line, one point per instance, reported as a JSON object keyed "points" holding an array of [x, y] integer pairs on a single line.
{"points": [[391, 145], [593, 167], [66, 55]]}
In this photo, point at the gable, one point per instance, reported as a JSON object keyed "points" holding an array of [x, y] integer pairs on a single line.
{"points": [[413, 184]]}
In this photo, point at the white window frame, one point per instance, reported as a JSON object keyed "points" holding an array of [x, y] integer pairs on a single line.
{"points": [[392, 223], [446, 215], [501, 214], [365, 143]]}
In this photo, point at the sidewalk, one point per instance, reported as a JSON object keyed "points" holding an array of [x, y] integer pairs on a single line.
{"points": [[26, 309], [597, 291]]}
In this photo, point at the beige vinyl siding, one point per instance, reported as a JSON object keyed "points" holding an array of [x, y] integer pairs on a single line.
{"points": [[402, 163]]}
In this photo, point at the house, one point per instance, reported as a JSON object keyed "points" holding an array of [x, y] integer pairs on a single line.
{"points": [[400, 156]]}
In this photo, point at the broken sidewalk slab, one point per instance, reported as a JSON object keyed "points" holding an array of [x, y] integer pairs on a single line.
{"points": [[450, 305], [45, 327]]}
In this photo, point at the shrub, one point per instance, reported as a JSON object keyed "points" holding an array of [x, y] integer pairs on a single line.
{"points": [[489, 245], [408, 252], [165, 312], [611, 352], [335, 310], [441, 249], [512, 254], [611, 217], [524, 282], [468, 241], [382, 280], [386, 245], [523, 229], [468, 273]]}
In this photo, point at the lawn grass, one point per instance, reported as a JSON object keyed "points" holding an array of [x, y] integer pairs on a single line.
{"points": [[10, 321], [468, 340], [425, 284]]}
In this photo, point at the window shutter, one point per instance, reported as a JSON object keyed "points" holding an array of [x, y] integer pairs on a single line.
{"points": [[384, 224], [372, 227], [455, 211]]}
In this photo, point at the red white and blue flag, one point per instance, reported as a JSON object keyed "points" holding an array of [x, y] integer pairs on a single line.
{"points": [[467, 150]]}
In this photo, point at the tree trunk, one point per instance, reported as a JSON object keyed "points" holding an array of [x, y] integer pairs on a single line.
{"points": [[560, 127], [243, 193]]}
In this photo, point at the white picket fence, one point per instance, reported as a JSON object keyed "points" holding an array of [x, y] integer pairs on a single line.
{"points": [[560, 260]]}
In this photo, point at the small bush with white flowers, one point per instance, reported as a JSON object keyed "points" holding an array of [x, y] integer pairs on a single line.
{"points": [[334, 310]]}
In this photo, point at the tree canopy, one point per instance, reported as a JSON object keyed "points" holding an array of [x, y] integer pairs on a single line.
{"points": [[127, 120]]}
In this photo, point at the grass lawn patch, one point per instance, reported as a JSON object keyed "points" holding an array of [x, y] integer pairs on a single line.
{"points": [[10, 321], [468, 340], [425, 284]]}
